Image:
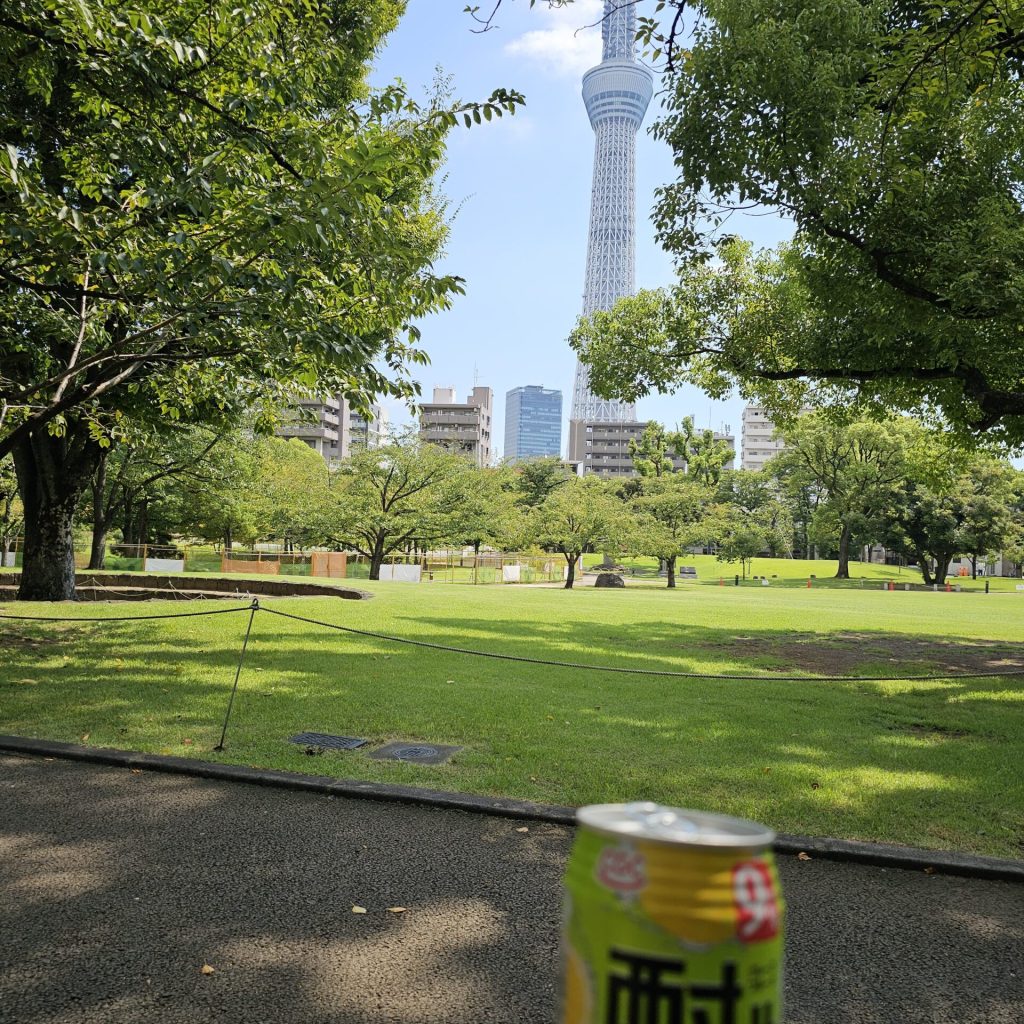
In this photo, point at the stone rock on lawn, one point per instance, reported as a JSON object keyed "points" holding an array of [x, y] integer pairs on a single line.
{"points": [[609, 579]]}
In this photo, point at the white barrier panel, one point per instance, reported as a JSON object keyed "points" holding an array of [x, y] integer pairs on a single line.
{"points": [[1018, 587], [7, 561], [511, 573], [764, 582], [164, 565], [401, 573]]}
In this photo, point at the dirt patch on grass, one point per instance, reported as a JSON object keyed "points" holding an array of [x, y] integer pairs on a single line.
{"points": [[12, 639], [841, 654]]}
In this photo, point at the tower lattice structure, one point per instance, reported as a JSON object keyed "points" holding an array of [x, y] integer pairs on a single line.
{"points": [[616, 94]]}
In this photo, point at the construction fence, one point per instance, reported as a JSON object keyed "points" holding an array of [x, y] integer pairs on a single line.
{"points": [[446, 566]]}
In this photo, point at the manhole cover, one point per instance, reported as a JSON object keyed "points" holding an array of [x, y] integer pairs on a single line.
{"points": [[328, 742], [420, 753]]}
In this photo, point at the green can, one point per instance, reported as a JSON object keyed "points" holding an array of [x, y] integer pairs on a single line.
{"points": [[671, 917]]}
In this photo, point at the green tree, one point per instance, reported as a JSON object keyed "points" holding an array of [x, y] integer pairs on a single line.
{"points": [[535, 479], [750, 517], [201, 204], [988, 488], [891, 134], [11, 518], [740, 537], [127, 472], [926, 525], [384, 498], [291, 491], [221, 502], [583, 515], [675, 514], [652, 451], [856, 468]]}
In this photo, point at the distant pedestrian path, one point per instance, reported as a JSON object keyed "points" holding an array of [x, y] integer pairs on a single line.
{"points": [[142, 897]]}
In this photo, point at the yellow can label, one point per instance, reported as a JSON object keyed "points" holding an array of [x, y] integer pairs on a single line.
{"points": [[659, 933]]}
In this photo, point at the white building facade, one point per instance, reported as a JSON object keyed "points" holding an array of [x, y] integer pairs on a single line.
{"points": [[758, 442]]}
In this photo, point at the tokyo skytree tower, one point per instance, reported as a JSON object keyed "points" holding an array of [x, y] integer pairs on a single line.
{"points": [[616, 94]]}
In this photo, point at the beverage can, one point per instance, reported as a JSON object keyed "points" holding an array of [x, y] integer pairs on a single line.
{"points": [[671, 917]]}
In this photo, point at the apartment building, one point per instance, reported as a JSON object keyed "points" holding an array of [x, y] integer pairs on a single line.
{"points": [[460, 426], [604, 447], [758, 442], [330, 427]]}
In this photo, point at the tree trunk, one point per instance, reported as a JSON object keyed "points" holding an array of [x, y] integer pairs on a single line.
{"points": [[144, 522], [974, 567], [376, 559], [571, 578], [843, 572], [942, 560], [228, 542], [670, 570], [926, 573], [53, 472], [98, 552]]}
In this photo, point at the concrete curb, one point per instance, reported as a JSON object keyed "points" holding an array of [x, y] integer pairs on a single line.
{"points": [[903, 857]]}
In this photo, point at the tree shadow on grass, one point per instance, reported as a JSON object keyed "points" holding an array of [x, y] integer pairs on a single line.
{"points": [[924, 762]]}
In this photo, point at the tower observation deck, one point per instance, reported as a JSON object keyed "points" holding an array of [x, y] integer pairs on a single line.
{"points": [[616, 94]]}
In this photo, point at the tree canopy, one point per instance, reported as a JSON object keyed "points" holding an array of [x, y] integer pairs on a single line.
{"points": [[202, 205], [891, 134]]}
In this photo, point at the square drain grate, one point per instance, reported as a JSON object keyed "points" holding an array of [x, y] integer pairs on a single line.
{"points": [[328, 742], [417, 753]]}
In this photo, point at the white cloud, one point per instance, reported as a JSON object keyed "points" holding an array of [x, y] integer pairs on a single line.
{"points": [[563, 46]]}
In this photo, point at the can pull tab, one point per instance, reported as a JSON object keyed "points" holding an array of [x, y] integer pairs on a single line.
{"points": [[657, 820]]}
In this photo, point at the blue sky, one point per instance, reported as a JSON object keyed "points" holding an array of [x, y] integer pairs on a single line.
{"points": [[521, 187]]}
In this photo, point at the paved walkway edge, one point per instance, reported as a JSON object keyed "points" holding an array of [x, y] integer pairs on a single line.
{"points": [[878, 854]]}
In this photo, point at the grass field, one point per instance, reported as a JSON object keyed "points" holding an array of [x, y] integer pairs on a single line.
{"points": [[931, 762], [795, 572]]}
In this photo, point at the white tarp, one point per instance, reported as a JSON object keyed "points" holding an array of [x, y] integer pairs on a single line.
{"points": [[511, 573], [8, 560], [401, 573], [164, 565]]}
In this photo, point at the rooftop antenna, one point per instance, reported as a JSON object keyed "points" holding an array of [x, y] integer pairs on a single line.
{"points": [[476, 375]]}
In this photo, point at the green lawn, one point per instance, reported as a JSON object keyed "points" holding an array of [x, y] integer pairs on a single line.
{"points": [[795, 572], [931, 763]]}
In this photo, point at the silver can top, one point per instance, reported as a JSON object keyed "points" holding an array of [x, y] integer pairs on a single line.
{"points": [[660, 824]]}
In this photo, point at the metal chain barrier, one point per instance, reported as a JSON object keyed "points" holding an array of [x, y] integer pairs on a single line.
{"points": [[254, 606], [640, 671], [122, 618]]}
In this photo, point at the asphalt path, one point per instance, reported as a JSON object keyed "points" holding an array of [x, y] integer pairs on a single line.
{"points": [[118, 887]]}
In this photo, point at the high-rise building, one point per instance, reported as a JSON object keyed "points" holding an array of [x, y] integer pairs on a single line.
{"points": [[461, 426], [758, 441], [616, 94], [533, 423], [331, 427], [605, 446]]}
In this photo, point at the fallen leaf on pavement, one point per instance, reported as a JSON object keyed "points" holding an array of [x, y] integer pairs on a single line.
{"points": [[207, 969], [396, 910], [136, 771], [359, 910], [803, 856], [523, 829], [929, 870]]}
